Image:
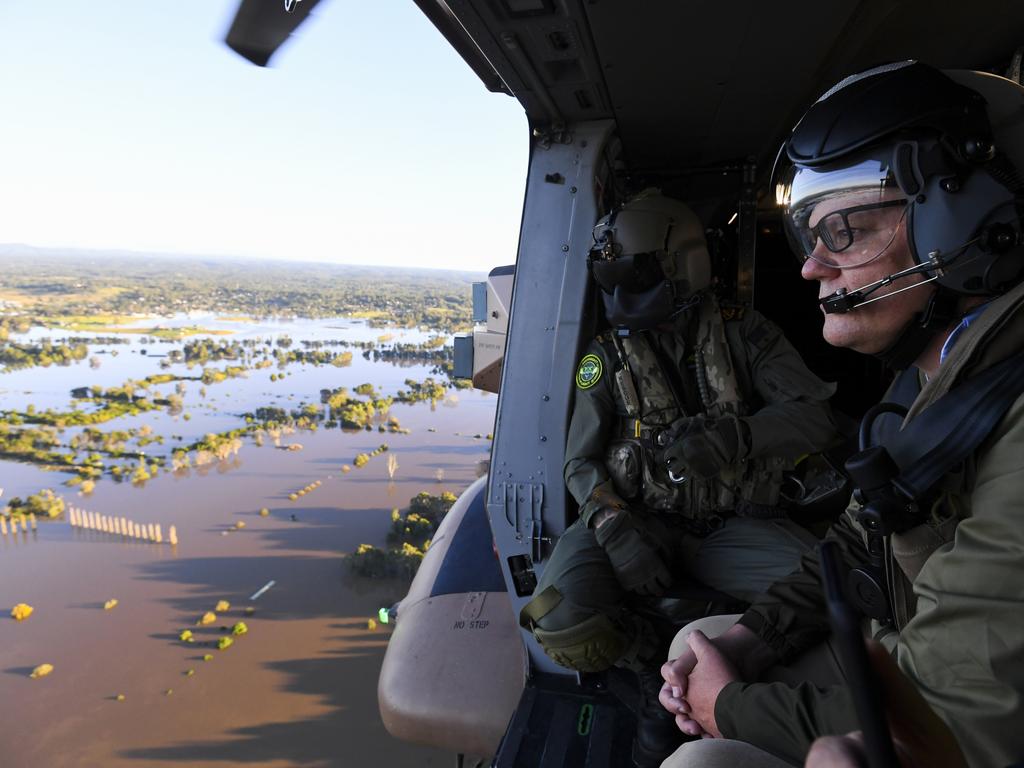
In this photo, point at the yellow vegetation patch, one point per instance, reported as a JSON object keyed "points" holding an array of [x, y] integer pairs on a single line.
{"points": [[21, 611], [111, 603], [207, 618], [41, 671], [222, 606]]}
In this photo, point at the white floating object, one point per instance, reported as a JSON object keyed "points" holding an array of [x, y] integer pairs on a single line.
{"points": [[263, 589]]}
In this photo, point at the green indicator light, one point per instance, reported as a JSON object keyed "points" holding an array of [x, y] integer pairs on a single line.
{"points": [[586, 719], [382, 615]]}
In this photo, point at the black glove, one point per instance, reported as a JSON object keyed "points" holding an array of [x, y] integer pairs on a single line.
{"points": [[706, 448], [634, 553]]}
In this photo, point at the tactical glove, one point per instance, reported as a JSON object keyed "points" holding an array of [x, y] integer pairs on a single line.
{"points": [[634, 554], [706, 448]]}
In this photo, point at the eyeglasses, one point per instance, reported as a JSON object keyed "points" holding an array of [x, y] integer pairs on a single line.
{"points": [[834, 229]]}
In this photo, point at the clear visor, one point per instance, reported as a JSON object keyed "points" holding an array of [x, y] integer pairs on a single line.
{"points": [[842, 217]]}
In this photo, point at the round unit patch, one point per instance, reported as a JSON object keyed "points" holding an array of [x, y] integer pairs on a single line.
{"points": [[589, 372]]}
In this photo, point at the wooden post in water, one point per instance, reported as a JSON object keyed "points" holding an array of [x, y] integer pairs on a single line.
{"points": [[32, 520], [159, 534], [151, 532], [3, 524], [24, 524], [172, 536], [124, 527]]}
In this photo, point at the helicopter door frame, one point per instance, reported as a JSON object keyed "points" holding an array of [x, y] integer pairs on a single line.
{"points": [[526, 496]]}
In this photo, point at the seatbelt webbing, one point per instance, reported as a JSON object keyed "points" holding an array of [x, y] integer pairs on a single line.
{"points": [[951, 428]]}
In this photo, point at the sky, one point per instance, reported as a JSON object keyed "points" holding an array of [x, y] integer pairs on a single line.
{"points": [[131, 126]]}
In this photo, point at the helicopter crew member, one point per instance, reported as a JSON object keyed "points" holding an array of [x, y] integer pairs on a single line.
{"points": [[686, 416], [903, 181]]}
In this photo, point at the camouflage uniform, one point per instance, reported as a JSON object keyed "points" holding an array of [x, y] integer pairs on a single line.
{"points": [[727, 532]]}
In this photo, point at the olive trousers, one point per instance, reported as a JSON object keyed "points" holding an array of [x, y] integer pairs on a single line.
{"points": [[741, 559]]}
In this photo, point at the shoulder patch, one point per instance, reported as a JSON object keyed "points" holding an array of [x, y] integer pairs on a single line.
{"points": [[589, 371]]}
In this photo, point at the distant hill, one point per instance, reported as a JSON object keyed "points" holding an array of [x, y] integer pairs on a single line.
{"points": [[56, 257], [47, 282]]}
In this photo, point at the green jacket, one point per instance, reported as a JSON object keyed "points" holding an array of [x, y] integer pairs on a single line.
{"points": [[958, 595], [787, 405]]}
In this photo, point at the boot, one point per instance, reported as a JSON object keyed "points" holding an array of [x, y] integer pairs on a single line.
{"points": [[657, 735]]}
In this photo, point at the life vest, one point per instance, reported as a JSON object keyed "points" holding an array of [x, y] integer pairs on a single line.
{"points": [[652, 411]]}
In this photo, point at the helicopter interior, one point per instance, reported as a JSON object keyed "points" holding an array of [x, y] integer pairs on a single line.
{"points": [[694, 98]]}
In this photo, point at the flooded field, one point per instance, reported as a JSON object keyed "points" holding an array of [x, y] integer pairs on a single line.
{"points": [[299, 687]]}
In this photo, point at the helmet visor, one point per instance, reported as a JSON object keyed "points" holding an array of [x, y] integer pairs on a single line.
{"points": [[634, 273], [842, 216]]}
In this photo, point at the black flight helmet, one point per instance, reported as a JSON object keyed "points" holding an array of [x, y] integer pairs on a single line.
{"points": [[933, 152]]}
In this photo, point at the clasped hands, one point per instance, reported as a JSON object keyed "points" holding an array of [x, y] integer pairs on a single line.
{"points": [[694, 680]]}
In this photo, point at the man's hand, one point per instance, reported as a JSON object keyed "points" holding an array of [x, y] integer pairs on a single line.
{"points": [[920, 737], [706, 448], [633, 552], [689, 692], [712, 672]]}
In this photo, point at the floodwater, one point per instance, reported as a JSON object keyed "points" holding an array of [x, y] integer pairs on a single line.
{"points": [[299, 689]]}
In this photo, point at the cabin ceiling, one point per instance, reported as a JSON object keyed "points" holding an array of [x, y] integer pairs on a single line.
{"points": [[694, 83]]}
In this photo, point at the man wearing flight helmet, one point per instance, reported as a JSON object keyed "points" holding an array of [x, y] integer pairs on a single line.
{"points": [[686, 415], [903, 195]]}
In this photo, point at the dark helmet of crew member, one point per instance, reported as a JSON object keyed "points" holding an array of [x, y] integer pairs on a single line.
{"points": [[649, 258], [939, 153]]}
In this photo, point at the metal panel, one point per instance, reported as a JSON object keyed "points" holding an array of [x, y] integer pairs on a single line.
{"points": [[479, 302], [526, 494], [463, 367]]}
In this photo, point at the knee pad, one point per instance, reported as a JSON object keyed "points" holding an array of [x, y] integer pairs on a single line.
{"points": [[593, 645]]}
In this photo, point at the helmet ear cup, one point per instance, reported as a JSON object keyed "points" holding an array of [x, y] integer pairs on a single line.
{"points": [[961, 225], [1004, 241]]}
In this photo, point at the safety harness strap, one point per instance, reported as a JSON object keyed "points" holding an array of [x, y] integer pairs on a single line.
{"points": [[540, 606], [947, 432]]}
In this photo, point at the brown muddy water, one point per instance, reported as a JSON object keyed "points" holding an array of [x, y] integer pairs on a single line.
{"points": [[300, 688]]}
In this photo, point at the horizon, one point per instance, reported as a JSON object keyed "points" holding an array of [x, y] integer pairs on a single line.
{"points": [[24, 250]]}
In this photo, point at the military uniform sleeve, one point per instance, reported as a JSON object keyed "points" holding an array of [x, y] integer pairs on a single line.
{"points": [[795, 418], [781, 719], [964, 647], [593, 419], [791, 617]]}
